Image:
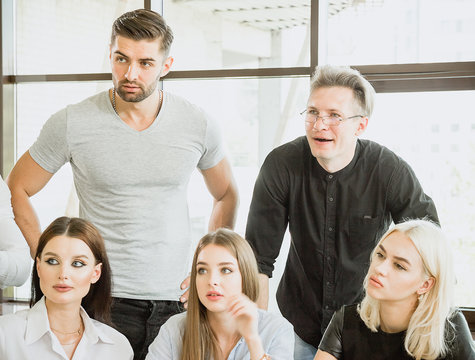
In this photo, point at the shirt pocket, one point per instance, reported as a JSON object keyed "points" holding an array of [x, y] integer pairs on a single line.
{"points": [[364, 233]]}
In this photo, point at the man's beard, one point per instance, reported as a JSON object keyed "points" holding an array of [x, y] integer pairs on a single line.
{"points": [[135, 97]]}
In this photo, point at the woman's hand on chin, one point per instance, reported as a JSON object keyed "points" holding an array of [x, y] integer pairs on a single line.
{"points": [[244, 312]]}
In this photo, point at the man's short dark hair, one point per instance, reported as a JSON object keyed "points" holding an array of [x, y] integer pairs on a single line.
{"points": [[143, 24]]}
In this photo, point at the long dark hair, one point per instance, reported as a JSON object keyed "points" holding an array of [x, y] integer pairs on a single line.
{"points": [[98, 300]]}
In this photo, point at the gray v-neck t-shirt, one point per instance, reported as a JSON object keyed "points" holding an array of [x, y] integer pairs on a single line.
{"points": [[132, 185]]}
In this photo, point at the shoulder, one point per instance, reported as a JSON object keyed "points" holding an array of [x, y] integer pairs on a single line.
{"points": [[273, 322], [296, 147], [12, 322], [175, 325], [290, 154], [4, 197], [117, 337], [459, 338], [373, 151], [97, 100], [177, 104]]}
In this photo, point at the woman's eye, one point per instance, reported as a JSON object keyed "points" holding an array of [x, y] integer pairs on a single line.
{"points": [[201, 271], [226, 271], [78, 263], [335, 116], [312, 112], [379, 255], [52, 261], [400, 267], [120, 60]]}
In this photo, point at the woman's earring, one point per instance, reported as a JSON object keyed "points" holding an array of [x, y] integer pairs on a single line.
{"points": [[420, 297]]}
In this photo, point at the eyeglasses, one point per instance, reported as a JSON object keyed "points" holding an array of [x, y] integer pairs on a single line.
{"points": [[311, 117]]}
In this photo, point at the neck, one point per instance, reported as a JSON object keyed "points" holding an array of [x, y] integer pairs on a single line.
{"points": [[337, 163], [395, 316], [225, 331], [65, 318], [138, 115]]}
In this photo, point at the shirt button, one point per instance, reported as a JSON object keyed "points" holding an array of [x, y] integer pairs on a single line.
{"points": [[330, 176], [328, 283], [326, 307], [330, 229], [330, 198]]}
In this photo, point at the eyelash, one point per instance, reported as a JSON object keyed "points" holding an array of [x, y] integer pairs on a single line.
{"points": [[400, 267], [75, 263]]}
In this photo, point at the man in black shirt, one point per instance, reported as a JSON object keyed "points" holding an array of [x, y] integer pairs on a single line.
{"points": [[338, 194]]}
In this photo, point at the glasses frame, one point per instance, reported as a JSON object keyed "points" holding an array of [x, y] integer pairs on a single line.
{"points": [[325, 119]]}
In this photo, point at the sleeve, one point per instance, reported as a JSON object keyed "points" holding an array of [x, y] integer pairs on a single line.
{"points": [[213, 144], [282, 345], [463, 347], [332, 338], [162, 347], [406, 198], [51, 150], [14, 254], [268, 214]]}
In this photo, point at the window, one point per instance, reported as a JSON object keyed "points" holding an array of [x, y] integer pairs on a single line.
{"points": [[248, 64]]}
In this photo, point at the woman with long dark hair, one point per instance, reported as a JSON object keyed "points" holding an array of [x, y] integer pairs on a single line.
{"points": [[70, 295]]}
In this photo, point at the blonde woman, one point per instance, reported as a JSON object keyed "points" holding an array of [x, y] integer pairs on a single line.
{"points": [[408, 310], [222, 321]]}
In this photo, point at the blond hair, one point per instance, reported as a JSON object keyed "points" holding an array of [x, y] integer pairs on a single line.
{"points": [[344, 76], [429, 328], [199, 341]]}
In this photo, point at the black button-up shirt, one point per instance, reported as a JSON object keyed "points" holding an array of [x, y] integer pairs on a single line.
{"points": [[334, 221]]}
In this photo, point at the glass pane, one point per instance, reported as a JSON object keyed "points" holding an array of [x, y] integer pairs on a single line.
{"points": [[215, 34], [254, 116], [398, 31], [65, 37]]}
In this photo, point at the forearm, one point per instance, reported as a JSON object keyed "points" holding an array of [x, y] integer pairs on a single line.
{"points": [[224, 210], [14, 267], [26, 219], [256, 350], [263, 300]]}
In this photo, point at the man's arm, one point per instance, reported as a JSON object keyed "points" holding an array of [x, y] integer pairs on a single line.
{"points": [[263, 299], [406, 198], [220, 183], [24, 181]]}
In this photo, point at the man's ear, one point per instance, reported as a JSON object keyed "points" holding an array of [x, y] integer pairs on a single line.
{"points": [[426, 286], [167, 64], [362, 125]]}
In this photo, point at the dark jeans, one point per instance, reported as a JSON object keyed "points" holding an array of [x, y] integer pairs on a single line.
{"points": [[140, 320]]}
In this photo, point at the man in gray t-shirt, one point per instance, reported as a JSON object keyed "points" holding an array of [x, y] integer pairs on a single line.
{"points": [[132, 150]]}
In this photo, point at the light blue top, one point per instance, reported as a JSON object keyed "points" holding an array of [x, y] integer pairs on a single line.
{"points": [[276, 333]]}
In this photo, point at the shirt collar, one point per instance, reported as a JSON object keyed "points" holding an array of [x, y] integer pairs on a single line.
{"points": [[38, 325]]}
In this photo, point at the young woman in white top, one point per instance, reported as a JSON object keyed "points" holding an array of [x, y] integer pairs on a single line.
{"points": [[70, 269], [222, 321]]}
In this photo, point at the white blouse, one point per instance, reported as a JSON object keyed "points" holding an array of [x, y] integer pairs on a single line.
{"points": [[15, 261], [27, 335]]}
